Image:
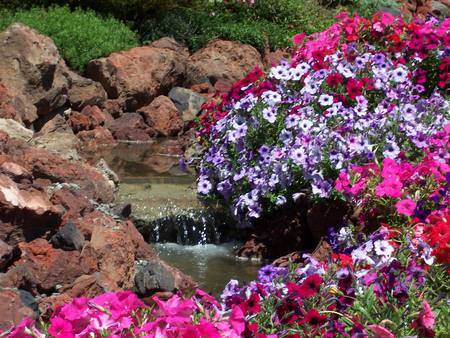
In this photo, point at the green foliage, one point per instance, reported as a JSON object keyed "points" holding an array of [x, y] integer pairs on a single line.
{"points": [[265, 24], [79, 35]]}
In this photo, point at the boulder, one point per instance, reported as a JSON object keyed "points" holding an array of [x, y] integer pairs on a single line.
{"points": [[274, 58], [221, 59], [43, 268], [171, 44], [57, 137], [25, 212], [16, 107], [90, 118], [32, 69], [188, 102], [163, 116], [49, 168], [15, 130], [138, 75], [98, 137], [16, 305], [6, 254], [74, 204], [131, 127], [68, 238], [84, 92]]}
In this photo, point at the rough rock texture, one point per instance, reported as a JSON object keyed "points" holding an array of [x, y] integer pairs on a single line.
{"points": [[15, 107], [131, 126], [89, 118], [57, 137], [138, 75], [15, 305], [15, 130], [439, 8], [172, 44], [162, 116], [221, 59], [274, 58], [83, 92], [188, 102], [55, 244], [31, 68], [93, 139]]}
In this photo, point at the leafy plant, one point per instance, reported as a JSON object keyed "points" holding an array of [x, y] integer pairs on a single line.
{"points": [[79, 35]]}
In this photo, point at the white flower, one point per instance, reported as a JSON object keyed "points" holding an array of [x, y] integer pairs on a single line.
{"points": [[326, 100], [399, 74], [383, 248]]}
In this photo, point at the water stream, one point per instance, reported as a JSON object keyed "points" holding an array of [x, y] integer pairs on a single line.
{"points": [[196, 240]]}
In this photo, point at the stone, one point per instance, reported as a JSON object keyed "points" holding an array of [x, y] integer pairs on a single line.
{"points": [[6, 254], [92, 139], [138, 75], [131, 127], [83, 92], [274, 58], [15, 130], [16, 107], [57, 137], [204, 87], [25, 212], [68, 238], [86, 223], [108, 173], [74, 204], [188, 102], [116, 254], [32, 69], [89, 118], [79, 122], [441, 8], [16, 305], [172, 44], [115, 108], [253, 248], [41, 268], [51, 168], [221, 59], [15, 171], [162, 116], [123, 210], [223, 85]]}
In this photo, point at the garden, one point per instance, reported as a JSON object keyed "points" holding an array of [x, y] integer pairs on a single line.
{"points": [[358, 116]]}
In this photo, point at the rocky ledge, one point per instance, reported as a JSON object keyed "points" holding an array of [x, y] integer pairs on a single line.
{"points": [[56, 243]]}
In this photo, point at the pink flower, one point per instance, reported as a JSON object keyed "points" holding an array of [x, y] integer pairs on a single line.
{"points": [[406, 207], [424, 323], [298, 38], [60, 328], [237, 319], [390, 187], [380, 331]]}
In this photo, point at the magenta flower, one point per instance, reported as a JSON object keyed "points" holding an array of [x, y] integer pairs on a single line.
{"points": [[406, 207]]}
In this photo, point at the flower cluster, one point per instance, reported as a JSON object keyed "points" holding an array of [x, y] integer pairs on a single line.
{"points": [[122, 314], [363, 90]]}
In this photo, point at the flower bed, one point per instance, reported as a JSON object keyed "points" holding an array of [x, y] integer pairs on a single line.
{"points": [[360, 91], [360, 115]]}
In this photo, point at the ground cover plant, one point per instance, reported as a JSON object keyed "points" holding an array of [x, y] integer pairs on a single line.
{"points": [[382, 82], [80, 35]]}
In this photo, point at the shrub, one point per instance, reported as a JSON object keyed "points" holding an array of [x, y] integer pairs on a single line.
{"points": [[362, 89], [79, 35]]}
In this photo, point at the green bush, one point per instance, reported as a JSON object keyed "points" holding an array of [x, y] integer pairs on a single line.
{"points": [[266, 24], [79, 35]]}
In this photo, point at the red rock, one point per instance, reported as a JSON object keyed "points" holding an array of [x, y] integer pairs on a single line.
{"points": [[253, 248], [96, 115], [32, 70], [87, 223], [274, 58], [15, 171], [15, 305], [162, 116], [16, 107], [131, 126], [221, 59], [25, 212], [6, 254], [204, 87], [138, 75], [79, 122], [92, 139], [74, 203], [223, 86], [41, 267], [114, 108], [171, 44], [84, 92]]}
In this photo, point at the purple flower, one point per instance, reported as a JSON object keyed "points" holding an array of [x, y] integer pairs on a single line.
{"points": [[204, 186], [269, 272]]}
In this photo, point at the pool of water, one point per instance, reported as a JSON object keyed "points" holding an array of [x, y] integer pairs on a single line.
{"points": [[185, 234]]}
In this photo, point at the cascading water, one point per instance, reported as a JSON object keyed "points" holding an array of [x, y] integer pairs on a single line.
{"points": [[166, 210]]}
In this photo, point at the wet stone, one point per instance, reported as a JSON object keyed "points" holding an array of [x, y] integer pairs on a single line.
{"points": [[68, 238]]}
